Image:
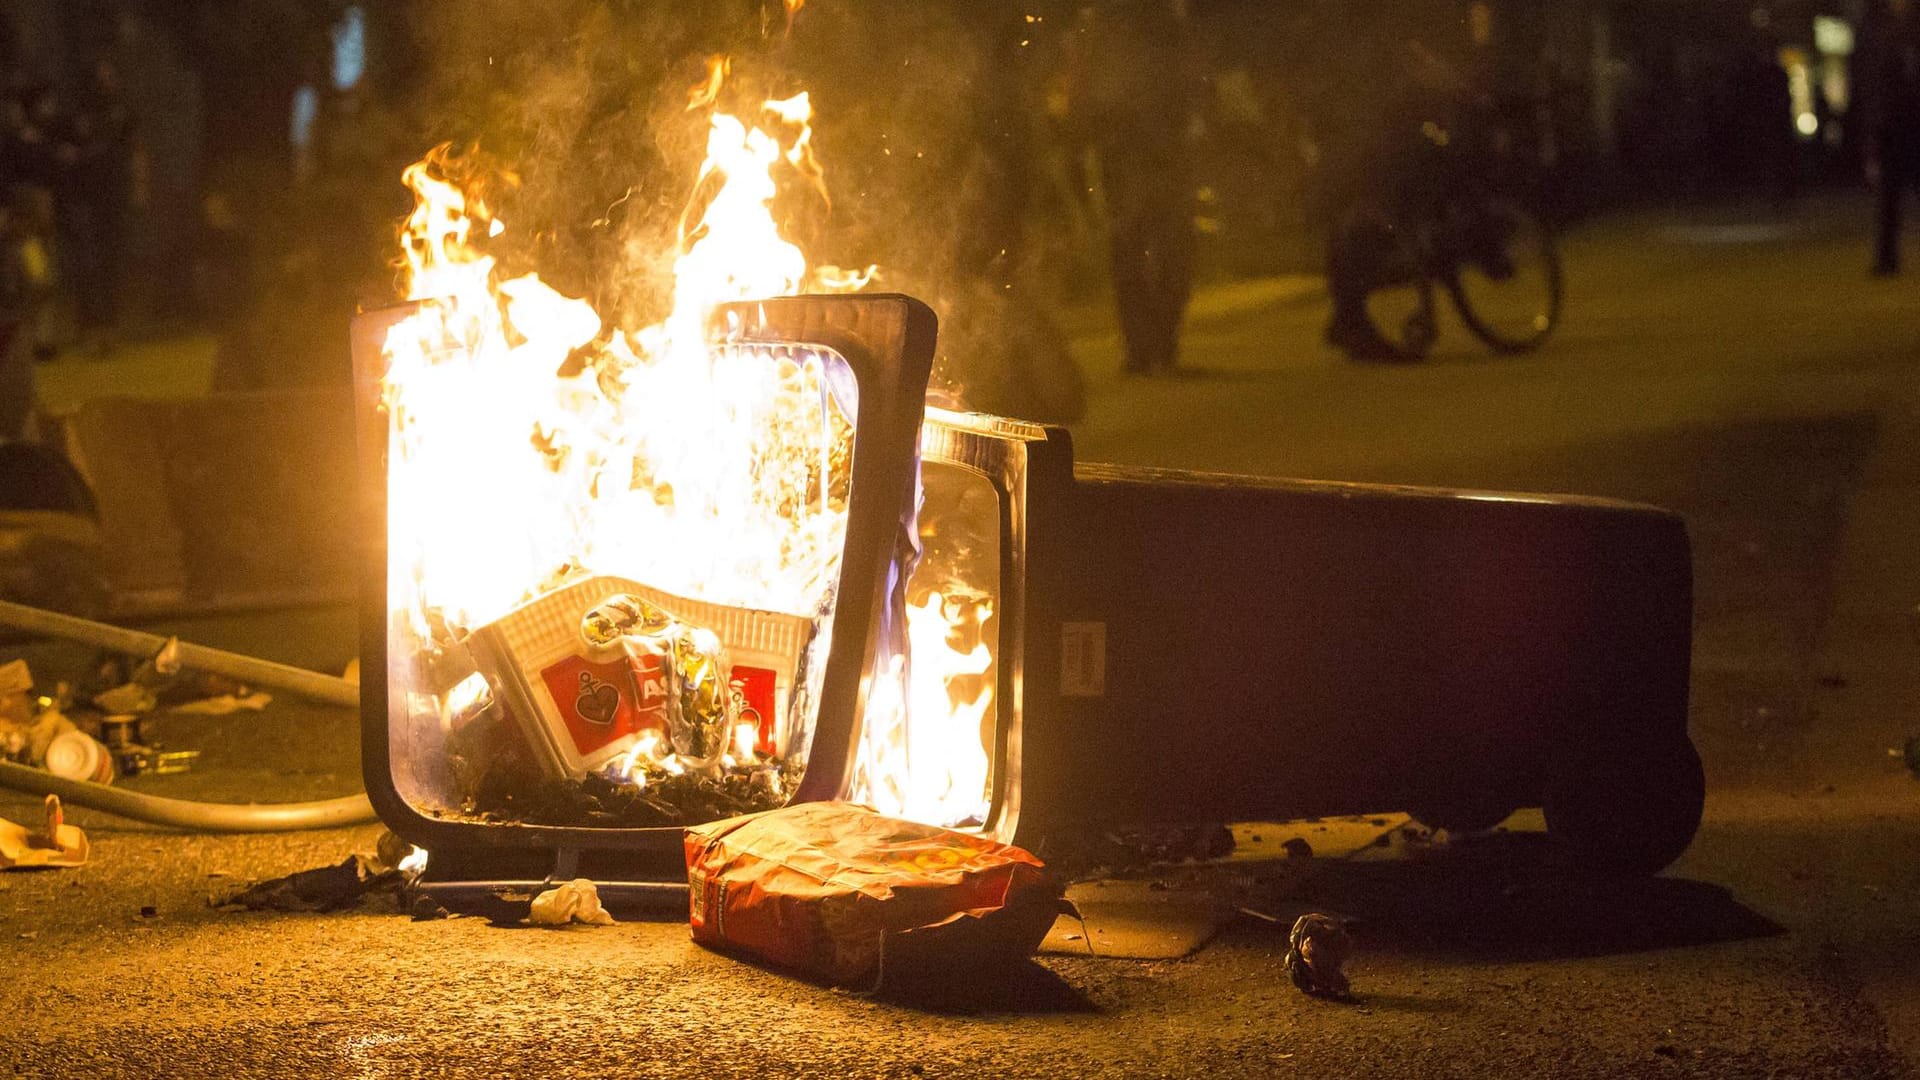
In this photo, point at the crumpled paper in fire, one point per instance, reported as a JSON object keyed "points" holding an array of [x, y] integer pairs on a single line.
{"points": [[55, 844], [575, 901]]}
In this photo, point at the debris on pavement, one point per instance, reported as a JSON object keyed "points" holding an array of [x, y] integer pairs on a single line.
{"points": [[16, 693], [391, 870], [126, 737], [224, 704], [126, 698], [76, 755], [161, 683], [577, 901], [330, 888], [1119, 852], [1317, 952], [840, 892], [100, 737], [55, 844], [1132, 920]]}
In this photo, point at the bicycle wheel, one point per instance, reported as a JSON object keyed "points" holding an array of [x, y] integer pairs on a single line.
{"points": [[1504, 275]]}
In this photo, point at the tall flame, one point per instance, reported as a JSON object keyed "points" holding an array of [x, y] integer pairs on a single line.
{"points": [[531, 442], [923, 754]]}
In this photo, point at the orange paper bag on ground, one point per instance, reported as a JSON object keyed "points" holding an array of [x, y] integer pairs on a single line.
{"points": [[838, 891]]}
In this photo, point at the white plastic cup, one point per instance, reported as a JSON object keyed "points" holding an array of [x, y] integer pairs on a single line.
{"points": [[76, 755]]}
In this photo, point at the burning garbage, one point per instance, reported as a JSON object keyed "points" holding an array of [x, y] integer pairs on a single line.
{"points": [[600, 704], [837, 891], [689, 484]]}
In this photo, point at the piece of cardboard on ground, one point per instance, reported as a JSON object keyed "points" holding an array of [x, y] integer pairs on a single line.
{"points": [[53, 843], [1149, 919], [1132, 920]]}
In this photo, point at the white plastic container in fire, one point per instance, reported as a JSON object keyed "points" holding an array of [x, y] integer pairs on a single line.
{"points": [[581, 705]]}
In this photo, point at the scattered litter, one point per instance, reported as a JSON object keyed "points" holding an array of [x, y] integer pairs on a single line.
{"points": [[838, 891], [76, 755], [1261, 915], [225, 704], [126, 698], [16, 693], [329, 888], [424, 909], [390, 870], [576, 901], [47, 725], [149, 911], [1317, 951], [55, 844], [48, 731], [126, 738], [392, 853], [1119, 852], [1297, 848]]}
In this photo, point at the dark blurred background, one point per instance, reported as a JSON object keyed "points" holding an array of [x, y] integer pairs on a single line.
{"points": [[229, 168]]}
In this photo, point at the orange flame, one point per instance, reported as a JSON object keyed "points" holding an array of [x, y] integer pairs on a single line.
{"points": [[721, 475], [707, 91]]}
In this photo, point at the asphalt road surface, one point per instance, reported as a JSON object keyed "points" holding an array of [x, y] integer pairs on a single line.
{"points": [[1740, 368]]}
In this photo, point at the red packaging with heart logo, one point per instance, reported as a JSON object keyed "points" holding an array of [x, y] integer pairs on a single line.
{"points": [[840, 892], [583, 689]]}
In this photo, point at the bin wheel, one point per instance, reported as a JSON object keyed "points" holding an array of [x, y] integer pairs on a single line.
{"points": [[1630, 809], [1465, 815]]}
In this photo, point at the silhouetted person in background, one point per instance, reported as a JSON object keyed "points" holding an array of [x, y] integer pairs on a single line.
{"points": [[1385, 163], [29, 166], [1765, 126], [1889, 85], [16, 328], [91, 190], [1138, 88]]}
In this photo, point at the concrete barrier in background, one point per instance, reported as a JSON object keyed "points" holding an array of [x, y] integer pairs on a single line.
{"points": [[228, 501]]}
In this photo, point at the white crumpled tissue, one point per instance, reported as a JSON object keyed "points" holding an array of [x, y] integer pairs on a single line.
{"points": [[576, 901]]}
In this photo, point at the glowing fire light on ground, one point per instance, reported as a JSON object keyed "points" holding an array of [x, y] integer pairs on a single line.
{"points": [[532, 443]]}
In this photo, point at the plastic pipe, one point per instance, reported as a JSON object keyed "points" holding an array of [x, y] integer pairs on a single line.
{"points": [[188, 815], [253, 671]]}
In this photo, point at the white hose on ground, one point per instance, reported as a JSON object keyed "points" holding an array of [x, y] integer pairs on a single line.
{"points": [[313, 685], [188, 815]]}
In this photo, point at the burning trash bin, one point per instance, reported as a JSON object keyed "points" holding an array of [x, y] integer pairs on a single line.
{"points": [[622, 581]]}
